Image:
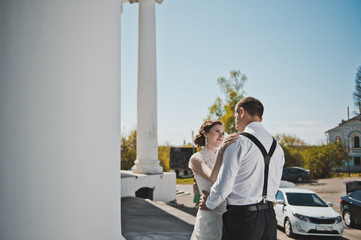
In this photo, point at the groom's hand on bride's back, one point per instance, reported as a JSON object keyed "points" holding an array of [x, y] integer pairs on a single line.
{"points": [[203, 200]]}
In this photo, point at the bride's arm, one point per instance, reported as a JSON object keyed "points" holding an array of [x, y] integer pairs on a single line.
{"points": [[201, 168], [216, 167]]}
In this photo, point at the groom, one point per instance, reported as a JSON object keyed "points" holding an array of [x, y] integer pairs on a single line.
{"points": [[249, 178]]}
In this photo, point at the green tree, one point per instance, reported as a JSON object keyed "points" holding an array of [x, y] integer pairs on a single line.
{"points": [[164, 157], [128, 150], [290, 141], [223, 109], [292, 148], [357, 92], [293, 157], [322, 160]]}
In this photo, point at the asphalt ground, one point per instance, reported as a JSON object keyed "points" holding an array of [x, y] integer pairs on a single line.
{"points": [[144, 219]]}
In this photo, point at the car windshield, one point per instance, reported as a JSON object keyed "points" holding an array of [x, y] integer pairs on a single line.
{"points": [[305, 199]]}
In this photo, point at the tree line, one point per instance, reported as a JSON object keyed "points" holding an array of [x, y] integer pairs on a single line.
{"points": [[321, 160]]}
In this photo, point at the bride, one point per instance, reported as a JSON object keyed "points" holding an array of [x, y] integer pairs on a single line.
{"points": [[205, 165]]}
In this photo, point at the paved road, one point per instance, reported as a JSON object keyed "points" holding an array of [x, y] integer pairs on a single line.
{"points": [[329, 189]]}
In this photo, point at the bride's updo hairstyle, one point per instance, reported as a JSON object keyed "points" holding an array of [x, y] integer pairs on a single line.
{"points": [[200, 139]]}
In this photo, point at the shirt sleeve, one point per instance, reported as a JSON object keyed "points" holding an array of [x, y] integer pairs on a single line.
{"points": [[226, 177]]}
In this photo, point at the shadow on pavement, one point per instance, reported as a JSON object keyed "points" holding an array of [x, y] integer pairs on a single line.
{"points": [[189, 210], [311, 182], [142, 220], [356, 227]]}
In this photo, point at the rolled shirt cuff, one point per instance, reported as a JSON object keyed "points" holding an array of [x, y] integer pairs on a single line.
{"points": [[210, 205]]}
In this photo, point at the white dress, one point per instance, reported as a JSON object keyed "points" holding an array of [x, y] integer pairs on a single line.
{"points": [[208, 225]]}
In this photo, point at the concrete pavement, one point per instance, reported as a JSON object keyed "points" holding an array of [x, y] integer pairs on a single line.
{"points": [[143, 219], [148, 220]]}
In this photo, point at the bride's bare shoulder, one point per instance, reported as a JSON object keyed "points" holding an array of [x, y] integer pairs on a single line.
{"points": [[196, 157]]}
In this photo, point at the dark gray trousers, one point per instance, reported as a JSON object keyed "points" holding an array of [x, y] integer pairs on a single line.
{"points": [[255, 225]]}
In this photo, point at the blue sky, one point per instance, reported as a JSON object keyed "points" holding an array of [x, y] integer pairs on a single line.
{"points": [[300, 58]]}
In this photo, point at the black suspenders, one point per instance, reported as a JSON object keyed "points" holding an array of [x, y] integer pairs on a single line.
{"points": [[267, 159]]}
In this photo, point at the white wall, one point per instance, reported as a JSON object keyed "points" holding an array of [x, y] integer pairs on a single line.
{"points": [[59, 119]]}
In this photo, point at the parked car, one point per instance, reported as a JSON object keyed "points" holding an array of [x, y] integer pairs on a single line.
{"points": [[302, 211], [296, 174], [350, 205], [352, 186], [286, 184]]}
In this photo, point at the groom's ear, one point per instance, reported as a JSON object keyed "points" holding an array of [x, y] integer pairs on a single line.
{"points": [[205, 193], [241, 111]]}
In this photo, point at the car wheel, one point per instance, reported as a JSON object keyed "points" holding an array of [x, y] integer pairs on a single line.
{"points": [[299, 179], [288, 228], [347, 218]]}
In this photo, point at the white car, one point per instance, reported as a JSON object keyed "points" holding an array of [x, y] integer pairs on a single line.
{"points": [[302, 211]]}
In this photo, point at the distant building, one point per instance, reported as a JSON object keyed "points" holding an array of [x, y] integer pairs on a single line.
{"points": [[349, 133], [179, 159]]}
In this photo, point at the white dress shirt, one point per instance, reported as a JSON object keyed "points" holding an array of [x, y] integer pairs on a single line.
{"points": [[240, 179]]}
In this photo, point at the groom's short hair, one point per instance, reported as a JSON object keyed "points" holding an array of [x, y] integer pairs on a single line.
{"points": [[252, 106]]}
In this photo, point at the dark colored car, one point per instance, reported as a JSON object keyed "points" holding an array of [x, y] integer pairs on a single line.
{"points": [[352, 186], [350, 205], [296, 174]]}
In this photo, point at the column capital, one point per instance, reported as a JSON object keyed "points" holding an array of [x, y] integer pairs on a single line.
{"points": [[133, 1]]}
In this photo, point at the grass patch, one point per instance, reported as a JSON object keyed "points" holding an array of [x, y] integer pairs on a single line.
{"points": [[342, 175], [185, 180]]}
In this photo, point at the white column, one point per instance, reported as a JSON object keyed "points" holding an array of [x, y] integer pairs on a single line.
{"points": [[147, 146], [60, 119]]}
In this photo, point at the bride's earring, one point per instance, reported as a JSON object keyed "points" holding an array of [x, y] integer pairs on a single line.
{"points": [[205, 141]]}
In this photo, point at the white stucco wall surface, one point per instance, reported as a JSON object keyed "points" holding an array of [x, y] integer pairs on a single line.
{"points": [[59, 119]]}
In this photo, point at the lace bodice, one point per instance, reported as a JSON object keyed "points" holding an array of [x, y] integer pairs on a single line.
{"points": [[209, 158], [206, 155]]}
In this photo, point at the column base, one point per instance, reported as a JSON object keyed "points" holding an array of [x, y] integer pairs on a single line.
{"points": [[147, 168], [163, 185]]}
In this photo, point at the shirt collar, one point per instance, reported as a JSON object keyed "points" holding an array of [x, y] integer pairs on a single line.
{"points": [[253, 125]]}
